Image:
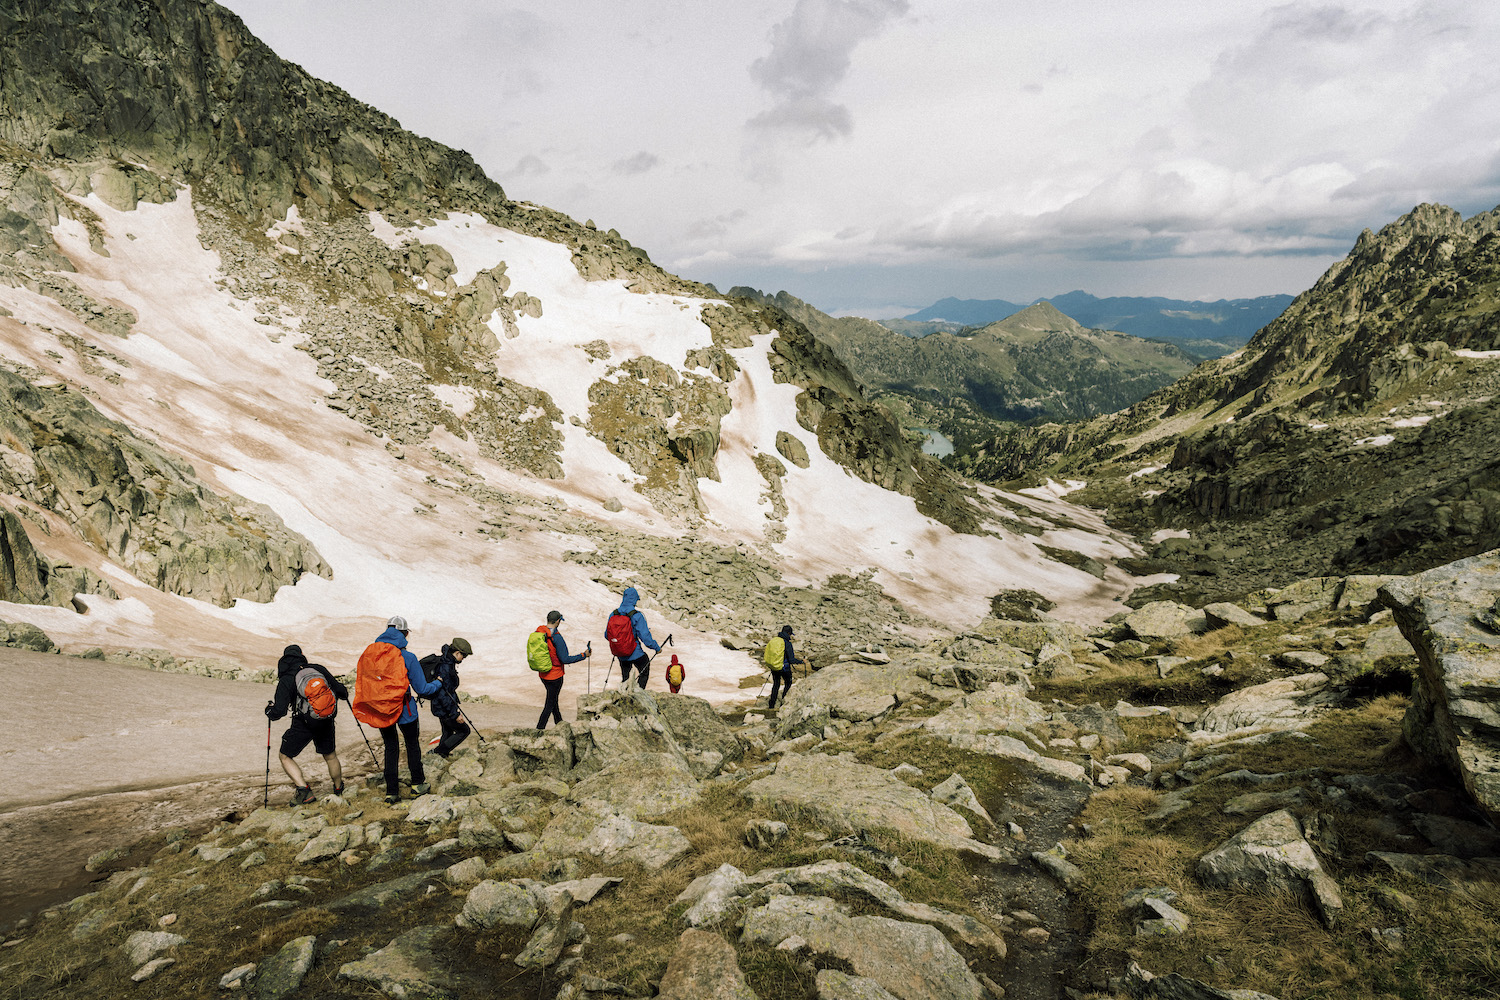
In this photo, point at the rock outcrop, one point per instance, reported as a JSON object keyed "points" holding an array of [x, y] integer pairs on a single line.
{"points": [[1449, 615]]}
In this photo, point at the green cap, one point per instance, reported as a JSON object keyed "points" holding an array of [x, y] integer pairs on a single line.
{"points": [[462, 645]]}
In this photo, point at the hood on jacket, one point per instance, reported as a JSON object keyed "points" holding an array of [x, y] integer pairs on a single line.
{"points": [[394, 637], [291, 661], [627, 600]]}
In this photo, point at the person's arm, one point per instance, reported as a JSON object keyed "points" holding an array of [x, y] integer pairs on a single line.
{"points": [[334, 684], [560, 645], [643, 631], [283, 701], [417, 678]]}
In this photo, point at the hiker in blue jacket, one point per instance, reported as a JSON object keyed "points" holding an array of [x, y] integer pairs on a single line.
{"points": [[637, 660], [444, 701], [781, 680], [395, 633]]}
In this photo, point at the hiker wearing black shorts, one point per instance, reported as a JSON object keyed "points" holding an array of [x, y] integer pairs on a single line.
{"points": [[304, 728], [781, 680], [444, 703]]}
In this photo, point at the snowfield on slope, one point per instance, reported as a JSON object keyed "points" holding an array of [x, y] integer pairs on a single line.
{"points": [[248, 412]]}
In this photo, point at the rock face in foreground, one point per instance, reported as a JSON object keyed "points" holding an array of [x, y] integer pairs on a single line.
{"points": [[1455, 712]]}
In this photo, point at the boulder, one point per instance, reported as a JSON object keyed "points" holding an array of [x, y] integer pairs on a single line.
{"points": [[384, 894], [406, 968], [763, 833], [849, 797], [912, 961], [696, 726], [332, 842], [1362, 593], [1455, 711], [857, 691], [647, 785], [1271, 855], [142, 946], [554, 926], [1296, 601], [281, 975], [439, 809], [1224, 614], [492, 904], [704, 967], [593, 827], [955, 791], [1144, 986], [1387, 641], [1164, 620], [1285, 703], [709, 896]]}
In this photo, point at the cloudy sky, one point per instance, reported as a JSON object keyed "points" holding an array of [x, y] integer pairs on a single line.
{"points": [[872, 156]]}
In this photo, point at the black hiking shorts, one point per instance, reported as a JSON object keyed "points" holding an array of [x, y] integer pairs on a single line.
{"points": [[318, 732]]}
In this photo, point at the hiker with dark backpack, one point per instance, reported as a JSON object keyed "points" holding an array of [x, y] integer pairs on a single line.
{"points": [[779, 658], [629, 637], [387, 674], [443, 668], [547, 654], [312, 695]]}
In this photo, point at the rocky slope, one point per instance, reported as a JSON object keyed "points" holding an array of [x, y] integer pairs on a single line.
{"points": [[1355, 433], [905, 826], [315, 367]]}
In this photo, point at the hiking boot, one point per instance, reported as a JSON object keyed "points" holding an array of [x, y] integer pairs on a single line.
{"points": [[338, 789], [304, 795], [419, 789], [391, 800]]}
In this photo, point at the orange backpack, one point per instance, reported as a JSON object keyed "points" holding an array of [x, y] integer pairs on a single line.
{"points": [[380, 683], [315, 699]]}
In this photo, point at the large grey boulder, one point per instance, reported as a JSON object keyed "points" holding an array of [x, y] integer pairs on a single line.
{"points": [[857, 691], [697, 727], [835, 985], [1296, 601], [911, 961], [406, 968], [492, 904], [281, 975], [1285, 703], [647, 785], [976, 722], [383, 894], [593, 827], [1144, 986], [554, 927], [704, 967], [849, 797], [1271, 855], [1455, 712], [1224, 614], [1164, 620], [142, 946]]}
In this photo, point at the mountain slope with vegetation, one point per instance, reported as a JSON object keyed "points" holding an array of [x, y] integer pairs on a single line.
{"points": [[1356, 433]]}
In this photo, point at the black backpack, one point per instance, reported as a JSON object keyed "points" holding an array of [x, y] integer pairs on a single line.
{"points": [[430, 666]]}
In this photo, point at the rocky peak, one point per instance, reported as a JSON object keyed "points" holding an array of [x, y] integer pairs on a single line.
{"points": [[1042, 317]]}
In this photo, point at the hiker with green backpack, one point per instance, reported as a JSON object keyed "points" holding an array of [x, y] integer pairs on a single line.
{"points": [[547, 654], [778, 659], [312, 695]]}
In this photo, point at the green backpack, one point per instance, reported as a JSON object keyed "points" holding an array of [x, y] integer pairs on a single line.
{"points": [[539, 651], [775, 658]]}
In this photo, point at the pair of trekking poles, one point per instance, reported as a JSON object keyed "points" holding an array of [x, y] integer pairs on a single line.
{"points": [[375, 763], [589, 685]]}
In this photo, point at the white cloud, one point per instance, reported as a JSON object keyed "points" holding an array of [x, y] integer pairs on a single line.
{"points": [[640, 163]]}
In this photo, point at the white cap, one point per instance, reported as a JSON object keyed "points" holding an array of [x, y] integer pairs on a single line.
{"points": [[398, 623]]}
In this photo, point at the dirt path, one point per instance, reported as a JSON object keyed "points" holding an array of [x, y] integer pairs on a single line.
{"points": [[102, 755]]}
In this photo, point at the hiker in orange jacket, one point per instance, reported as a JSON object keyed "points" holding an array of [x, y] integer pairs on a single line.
{"points": [[552, 680]]}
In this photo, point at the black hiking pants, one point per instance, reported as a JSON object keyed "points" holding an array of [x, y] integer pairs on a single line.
{"points": [[412, 734], [642, 666], [550, 709], [781, 680], [455, 731]]}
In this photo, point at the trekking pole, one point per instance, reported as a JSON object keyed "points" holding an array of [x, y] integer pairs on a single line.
{"points": [[470, 723], [608, 673], [652, 658], [373, 762], [265, 801], [588, 668]]}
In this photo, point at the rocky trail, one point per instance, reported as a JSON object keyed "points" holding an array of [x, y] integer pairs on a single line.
{"points": [[1184, 802]]}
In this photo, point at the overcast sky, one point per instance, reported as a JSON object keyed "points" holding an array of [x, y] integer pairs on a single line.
{"points": [[873, 156]]}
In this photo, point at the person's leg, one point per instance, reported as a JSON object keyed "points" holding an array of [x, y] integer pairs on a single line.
{"points": [[294, 741], [643, 671], [786, 684], [335, 772], [552, 696], [412, 732], [455, 731], [775, 688], [392, 760], [292, 770], [324, 741], [550, 710], [625, 666]]}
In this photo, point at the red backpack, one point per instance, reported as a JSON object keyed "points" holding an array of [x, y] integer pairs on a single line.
{"points": [[315, 698], [620, 632], [380, 683]]}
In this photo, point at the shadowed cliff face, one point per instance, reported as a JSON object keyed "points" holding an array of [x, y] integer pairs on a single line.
{"points": [[1353, 434]]}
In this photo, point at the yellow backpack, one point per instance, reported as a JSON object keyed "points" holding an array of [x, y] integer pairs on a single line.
{"points": [[775, 658]]}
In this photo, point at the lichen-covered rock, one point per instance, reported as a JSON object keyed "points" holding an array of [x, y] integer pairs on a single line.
{"points": [[1271, 855], [406, 968], [594, 828], [281, 975], [1285, 703], [1164, 620], [1455, 712], [704, 967], [647, 785]]}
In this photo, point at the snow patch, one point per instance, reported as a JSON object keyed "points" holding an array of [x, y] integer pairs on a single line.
{"points": [[1378, 441], [1053, 490], [1416, 421], [1145, 471], [1165, 533], [1480, 355]]}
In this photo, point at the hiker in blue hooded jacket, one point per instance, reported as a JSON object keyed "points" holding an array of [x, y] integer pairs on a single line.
{"points": [[395, 633], [639, 636]]}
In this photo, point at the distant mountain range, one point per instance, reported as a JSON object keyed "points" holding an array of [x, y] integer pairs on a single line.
{"points": [[1209, 329]]}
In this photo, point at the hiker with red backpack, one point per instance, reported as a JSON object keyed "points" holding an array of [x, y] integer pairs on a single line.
{"points": [[387, 674], [547, 654], [312, 695], [628, 633]]}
